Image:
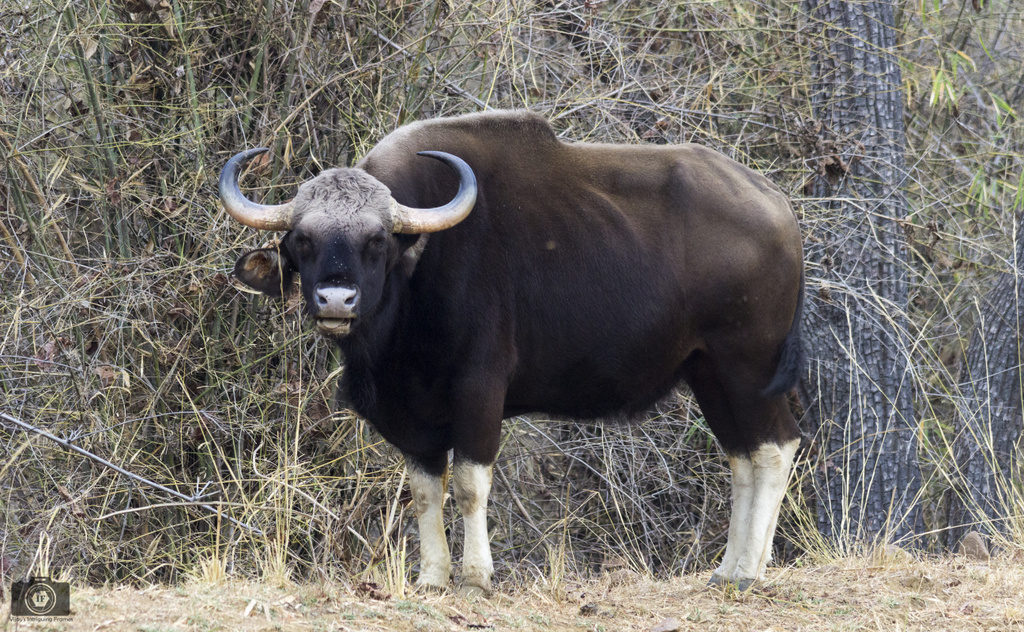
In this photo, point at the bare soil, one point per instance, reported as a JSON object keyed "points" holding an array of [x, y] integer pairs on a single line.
{"points": [[850, 594]]}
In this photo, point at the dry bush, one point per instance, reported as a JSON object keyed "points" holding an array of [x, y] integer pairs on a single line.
{"points": [[123, 331]]}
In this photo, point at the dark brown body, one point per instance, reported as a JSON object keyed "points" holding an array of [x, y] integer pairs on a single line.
{"points": [[588, 280]]}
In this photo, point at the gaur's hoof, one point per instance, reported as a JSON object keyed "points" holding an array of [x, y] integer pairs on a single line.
{"points": [[741, 585], [430, 587], [436, 581], [472, 590]]}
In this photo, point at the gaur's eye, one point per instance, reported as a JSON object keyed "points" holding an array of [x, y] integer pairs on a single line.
{"points": [[376, 244]]}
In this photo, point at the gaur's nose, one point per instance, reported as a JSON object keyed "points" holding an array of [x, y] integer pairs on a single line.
{"points": [[336, 301]]}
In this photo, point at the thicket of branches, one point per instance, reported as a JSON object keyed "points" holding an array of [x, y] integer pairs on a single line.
{"points": [[123, 331]]}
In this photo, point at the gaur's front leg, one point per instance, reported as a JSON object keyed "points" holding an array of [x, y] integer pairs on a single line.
{"points": [[428, 499], [472, 482]]}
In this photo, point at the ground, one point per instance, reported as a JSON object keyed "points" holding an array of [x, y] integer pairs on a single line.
{"points": [[852, 594]]}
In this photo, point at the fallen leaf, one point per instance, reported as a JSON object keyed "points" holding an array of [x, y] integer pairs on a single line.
{"points": [[106, 373], [89, 46], [372, 590], [113, 191], [46, 354]]}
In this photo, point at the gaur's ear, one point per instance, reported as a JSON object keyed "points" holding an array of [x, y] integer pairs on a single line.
{"points": [[267, 270]]}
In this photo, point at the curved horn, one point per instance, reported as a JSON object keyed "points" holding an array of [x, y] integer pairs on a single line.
{"points": [[430, 220], [262, 216]]}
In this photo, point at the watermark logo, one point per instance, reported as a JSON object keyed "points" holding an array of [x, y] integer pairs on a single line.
{"points": [[40, 597]]}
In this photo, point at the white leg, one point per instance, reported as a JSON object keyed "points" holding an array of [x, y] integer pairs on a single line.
{"points": [[759, 485], [472, 483], [742, 499], [772, 464], [428, 499]]}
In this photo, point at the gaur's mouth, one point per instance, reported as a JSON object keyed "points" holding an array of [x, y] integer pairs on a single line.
{"points": [[334, 326]]}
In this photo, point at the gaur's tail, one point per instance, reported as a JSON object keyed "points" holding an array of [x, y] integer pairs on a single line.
{"points": [[791, 354]]}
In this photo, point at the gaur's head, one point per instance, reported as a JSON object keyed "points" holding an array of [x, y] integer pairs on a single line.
{"points": [[342, 239]]}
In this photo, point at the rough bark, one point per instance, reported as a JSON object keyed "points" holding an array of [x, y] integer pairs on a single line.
{"points": [[860, 399], [987, 441]]}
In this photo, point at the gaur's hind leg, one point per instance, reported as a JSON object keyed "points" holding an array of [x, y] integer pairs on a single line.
{"points": [[771, 463], [428, 499], [742, 501], [760, 438]]}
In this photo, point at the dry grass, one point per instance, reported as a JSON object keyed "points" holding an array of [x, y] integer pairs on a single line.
{"points": [[850, 594], [122, 331]]}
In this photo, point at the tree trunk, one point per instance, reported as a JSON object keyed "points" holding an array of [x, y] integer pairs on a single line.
{"points": [[986, 446], [860, 400]]}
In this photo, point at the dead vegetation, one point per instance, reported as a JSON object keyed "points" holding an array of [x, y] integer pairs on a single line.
{"points": [[123, 333], [870, 593]]}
